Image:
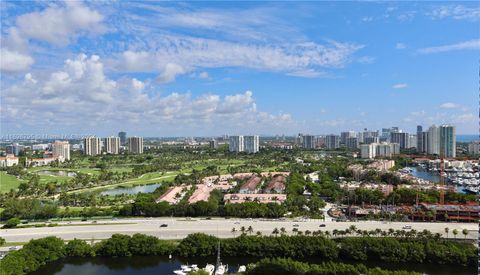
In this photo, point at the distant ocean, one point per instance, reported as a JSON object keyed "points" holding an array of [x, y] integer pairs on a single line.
{"points": [[467, 138]]}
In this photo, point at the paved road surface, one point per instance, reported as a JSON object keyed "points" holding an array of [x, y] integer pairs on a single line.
{"points": [[179, 228]]}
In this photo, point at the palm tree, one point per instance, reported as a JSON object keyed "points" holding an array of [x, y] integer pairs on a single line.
{"points": [[242, 229], [250, 230], [295, 230], [391, 231], [465, 233], [327, 233], [446, 231], [234, 230], [259, 233], [307, 232], [283, 231], [455, 232], [353, 228], [335, 232], [275, 231]]}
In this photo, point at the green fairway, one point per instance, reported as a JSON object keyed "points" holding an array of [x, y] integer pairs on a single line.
{"points": [[8, 182]]}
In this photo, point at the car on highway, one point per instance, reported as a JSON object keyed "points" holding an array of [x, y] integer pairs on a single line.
{"points": [[164, 225], [296, 225], [322, 225], [237, 223], [407, 227]]}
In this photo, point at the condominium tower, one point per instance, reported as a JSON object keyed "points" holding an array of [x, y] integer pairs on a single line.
{"points": [[135, 145]]}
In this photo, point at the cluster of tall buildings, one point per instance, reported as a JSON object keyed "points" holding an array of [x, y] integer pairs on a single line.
{"points": [[437, 140], [93, 146], [248, 144]]}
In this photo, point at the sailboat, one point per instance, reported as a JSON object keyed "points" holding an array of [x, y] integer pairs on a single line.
{"points": [[220, 269]]}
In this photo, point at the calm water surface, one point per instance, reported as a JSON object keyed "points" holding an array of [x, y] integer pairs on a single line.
{"points": [[162, 265], [131, 190]]}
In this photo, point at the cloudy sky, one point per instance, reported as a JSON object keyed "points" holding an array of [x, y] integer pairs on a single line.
{"points": [[176, 69]]}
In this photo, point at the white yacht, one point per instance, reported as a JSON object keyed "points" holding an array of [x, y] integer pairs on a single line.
{"points": [[209, 268]]}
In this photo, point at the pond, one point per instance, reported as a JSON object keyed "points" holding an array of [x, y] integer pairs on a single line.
{"points": [[56, 173], [162, 265], [131, 190]]}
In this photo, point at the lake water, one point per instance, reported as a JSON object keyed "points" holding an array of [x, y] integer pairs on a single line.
{"points": [[131, 190], [56, 173], [155, 265]]}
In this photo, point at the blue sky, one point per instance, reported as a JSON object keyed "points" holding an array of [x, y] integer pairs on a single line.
{"points": [[194, 69]]}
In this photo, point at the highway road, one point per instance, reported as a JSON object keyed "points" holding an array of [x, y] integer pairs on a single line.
{"points": [[178, 228]]}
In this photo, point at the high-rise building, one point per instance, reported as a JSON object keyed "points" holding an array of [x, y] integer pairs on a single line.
{"points": [[123, 138], [14, 149], [367, 151], [332, 141], [213, 144], [251, 144], [309, 142], [345, 135], [474, 148], [236, 144], [401, 138], [61, 149], [352, 143], [370, 140], [92, 146], [135, 145], [448, 141], [112, 145], [412, 141], [433, 140], [419, 139]]}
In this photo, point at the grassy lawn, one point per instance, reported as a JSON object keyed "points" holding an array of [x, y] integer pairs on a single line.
{"points": [[8, 182]]}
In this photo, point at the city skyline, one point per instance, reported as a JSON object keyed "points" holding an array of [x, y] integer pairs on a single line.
{"points": [[276, 68]]}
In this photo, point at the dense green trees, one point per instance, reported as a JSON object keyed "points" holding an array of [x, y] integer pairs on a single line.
{"points": [[11, 223], [288, 266], [78, 248]]}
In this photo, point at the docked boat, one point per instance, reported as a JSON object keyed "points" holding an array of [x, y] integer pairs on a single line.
{"points": [[220, 268], [242, 269], [209, 268]]}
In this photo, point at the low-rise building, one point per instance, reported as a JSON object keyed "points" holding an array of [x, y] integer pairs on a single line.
{"points": [[251, 186], [8, 161], [276, 185], [260, 198]]}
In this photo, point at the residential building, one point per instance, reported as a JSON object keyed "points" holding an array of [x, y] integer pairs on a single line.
{"points": [[236, 144], [251, 144], [14, 149], [112, 145], [309, 142], [135, 145], [61, 149], [345, 135], [412, 141], [213, 144], [8, 161], [352, 143], [332, 141], [370, 140], [92, 146], [123, 138], [401, 138], [367, 151], [474, 148], [251, 186], [420, 139], [448, 142], [40, 147], [433, 140]]}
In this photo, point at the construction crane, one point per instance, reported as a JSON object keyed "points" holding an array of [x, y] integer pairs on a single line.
{"points": [[442, 181]]}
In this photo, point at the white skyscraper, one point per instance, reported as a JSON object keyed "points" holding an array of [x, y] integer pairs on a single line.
{"points": [[112, 145], [448, 141], [92, 146], [135, 145], [433, 138], [61, 149], [367, 151], [251, 144], [236, 144]]}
